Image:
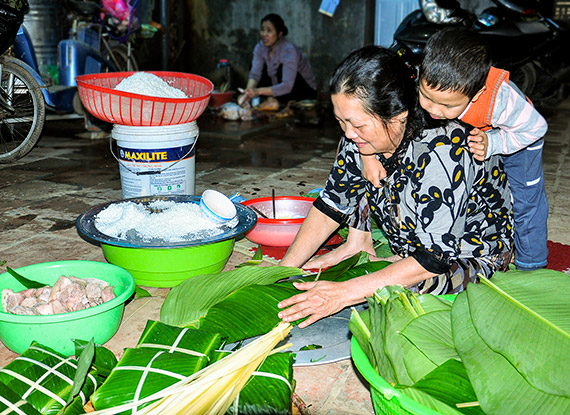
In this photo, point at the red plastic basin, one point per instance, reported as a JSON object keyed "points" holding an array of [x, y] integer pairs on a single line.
{"points": [[290, 212]]}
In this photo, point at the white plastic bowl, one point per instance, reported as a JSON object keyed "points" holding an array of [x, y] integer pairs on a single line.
{"points": [[217, 206]]}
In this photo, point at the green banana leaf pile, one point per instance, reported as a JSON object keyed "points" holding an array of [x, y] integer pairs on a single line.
{"points": [[242, 303], [501, 348], [41, 380]]}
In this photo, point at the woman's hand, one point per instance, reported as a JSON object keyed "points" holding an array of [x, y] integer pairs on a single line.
{"points": [[247, 95], [320, 299]]}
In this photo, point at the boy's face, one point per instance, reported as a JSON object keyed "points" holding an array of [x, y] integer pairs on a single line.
{"points": [[442, 104]]}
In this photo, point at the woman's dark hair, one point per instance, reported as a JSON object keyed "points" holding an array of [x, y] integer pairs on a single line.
{"points": [[382, 82], [277, 22]]}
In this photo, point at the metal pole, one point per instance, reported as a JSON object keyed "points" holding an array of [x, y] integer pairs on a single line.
{"points": [[164, 21]]}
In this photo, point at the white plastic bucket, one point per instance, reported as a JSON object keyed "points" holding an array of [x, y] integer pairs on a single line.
{"points": [[156, 160]]}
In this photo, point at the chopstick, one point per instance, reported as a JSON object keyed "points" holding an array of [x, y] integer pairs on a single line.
{"points": [[273, 199], [259, 212]]}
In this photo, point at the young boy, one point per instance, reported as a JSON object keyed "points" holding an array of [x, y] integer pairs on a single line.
{"points": [[457, 81]]}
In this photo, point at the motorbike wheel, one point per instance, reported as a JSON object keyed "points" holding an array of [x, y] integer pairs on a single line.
{"points": [[22, 124], [525, 78], [119, 56]]}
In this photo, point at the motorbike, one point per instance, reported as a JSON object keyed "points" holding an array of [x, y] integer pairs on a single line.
{"points": [[30, 94], [519, 38]]}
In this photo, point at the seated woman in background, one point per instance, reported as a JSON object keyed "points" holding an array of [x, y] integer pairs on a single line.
{"points": [[279, 69], [445, 215]]}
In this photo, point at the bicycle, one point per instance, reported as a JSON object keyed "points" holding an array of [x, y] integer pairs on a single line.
{"points": [[22, 106]]}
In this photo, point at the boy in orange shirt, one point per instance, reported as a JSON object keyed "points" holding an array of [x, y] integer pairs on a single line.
{"points": [[457, 81]]}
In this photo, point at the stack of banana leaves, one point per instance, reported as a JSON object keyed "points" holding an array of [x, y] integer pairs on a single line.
{"points": [[501, 347]]}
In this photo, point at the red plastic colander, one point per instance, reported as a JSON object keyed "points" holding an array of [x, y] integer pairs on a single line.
{"points": [[98, 95]]}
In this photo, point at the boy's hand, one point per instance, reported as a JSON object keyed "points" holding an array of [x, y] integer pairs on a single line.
{"points": [[478, 143], [372, 170]]}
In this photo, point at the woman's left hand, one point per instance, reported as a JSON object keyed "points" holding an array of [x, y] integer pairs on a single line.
{"points": [[320, 299]]}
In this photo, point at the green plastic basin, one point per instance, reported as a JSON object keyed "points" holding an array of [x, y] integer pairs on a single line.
{"points": [[168, 267], [58, 330], [386, 399]]}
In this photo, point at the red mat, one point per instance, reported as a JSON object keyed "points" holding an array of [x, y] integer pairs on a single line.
{"points": [[558, 256]]}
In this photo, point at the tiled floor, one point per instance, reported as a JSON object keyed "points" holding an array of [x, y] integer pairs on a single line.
{"points": [[42, 195]]}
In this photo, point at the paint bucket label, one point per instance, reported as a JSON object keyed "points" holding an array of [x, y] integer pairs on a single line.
{"points": [[156, 162]]}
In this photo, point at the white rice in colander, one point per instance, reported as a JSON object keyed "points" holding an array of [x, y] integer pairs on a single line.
{"points": [[160, 220], [145, 83]]}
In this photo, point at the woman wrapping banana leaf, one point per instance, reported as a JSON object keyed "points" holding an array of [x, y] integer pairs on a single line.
{"points": [[447, 217]]}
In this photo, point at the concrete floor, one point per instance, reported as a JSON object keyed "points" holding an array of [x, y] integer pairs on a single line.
{"points": [[43, 193]]}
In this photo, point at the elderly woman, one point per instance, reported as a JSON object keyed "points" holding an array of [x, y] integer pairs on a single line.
{"points": [[446, 216]]}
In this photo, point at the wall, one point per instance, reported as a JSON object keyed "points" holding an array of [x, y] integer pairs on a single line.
{"points": [[216, 29]]}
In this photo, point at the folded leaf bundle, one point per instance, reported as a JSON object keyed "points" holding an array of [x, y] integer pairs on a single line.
{"points": [[212, 390], [164, 355], [269, 391], [513, 334], [44, 378], [12, 404]]}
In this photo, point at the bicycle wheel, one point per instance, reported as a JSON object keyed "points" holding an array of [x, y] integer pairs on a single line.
{"points": [[22, 124], [118, 54]]}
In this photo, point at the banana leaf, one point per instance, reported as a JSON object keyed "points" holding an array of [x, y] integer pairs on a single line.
{"points": [[445, 387], [188, 302], [13, 404], [538, 320], [104, 361], [247, 312], [391, 309], [252, 310], [270, 389], [192, 298], [44, 378], [520, 387], [359, 326], [431, 334], [164, 355]]}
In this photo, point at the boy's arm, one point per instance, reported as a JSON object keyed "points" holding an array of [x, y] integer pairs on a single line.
{"points": [[372, 169], [478, 143], [516, 123]]}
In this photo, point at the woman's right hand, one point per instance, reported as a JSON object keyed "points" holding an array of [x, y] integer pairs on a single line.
{"points": [[318, 299], [242, 99], [246, 96]]}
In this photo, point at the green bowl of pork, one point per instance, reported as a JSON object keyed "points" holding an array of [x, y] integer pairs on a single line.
{"points": [[58, 331]]}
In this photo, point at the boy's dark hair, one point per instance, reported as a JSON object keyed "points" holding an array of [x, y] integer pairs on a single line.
{"points": [[455, 60]]}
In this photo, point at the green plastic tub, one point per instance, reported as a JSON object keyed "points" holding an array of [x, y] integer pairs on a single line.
{"points": [[386, 399], [58, 330], [168, 267]]}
